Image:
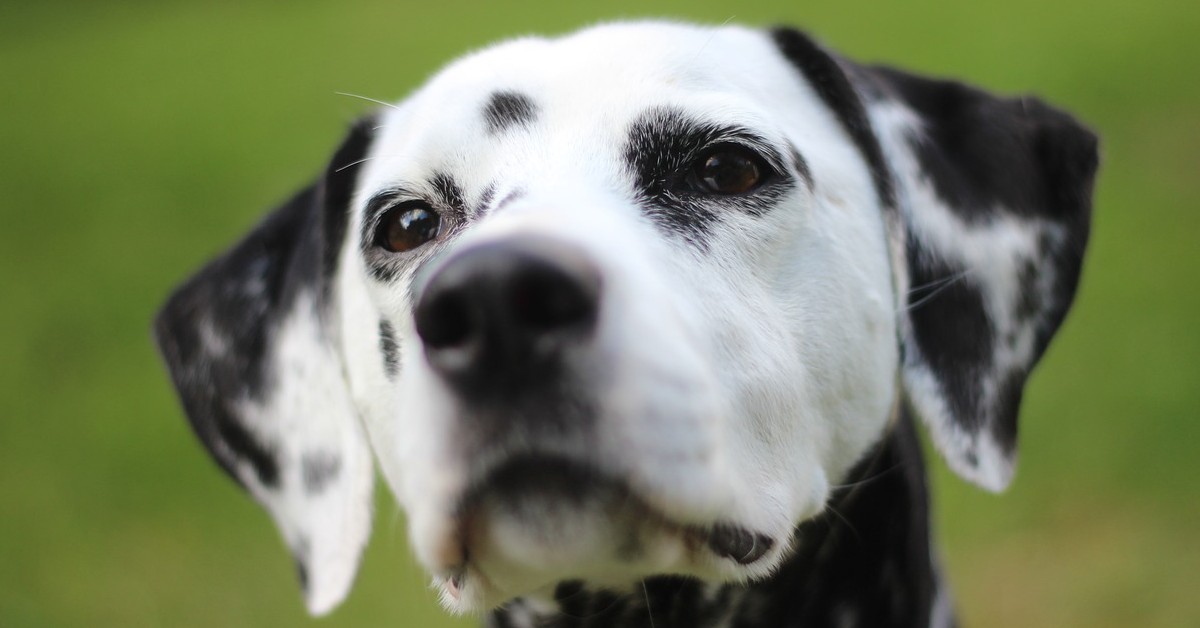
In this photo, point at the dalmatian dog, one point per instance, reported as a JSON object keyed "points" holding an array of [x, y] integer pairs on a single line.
{"points": [[637, 325]]}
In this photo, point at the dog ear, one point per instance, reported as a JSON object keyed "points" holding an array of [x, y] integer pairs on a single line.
{"points": [[250, 343], [994, 197], [988, 204]]}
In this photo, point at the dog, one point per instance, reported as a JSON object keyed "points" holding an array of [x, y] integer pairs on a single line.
{"points": [[637, 324]]}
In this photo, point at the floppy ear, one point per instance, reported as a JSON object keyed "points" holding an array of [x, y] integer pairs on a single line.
{"points": [[994, 198], [988, 204], [250, 344]]}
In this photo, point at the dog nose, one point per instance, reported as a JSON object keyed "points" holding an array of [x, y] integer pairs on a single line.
{"points": [[500, 314]]}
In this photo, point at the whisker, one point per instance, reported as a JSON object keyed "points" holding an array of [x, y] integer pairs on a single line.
{"points": [[711, 36], [850, 526], [649, 611], [378, 102], [354, 163], [866, 480], [936, 287], [938, 282]]}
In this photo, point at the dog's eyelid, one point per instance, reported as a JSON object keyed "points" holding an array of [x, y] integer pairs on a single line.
{"points": [[383, 200], [752, 143]]}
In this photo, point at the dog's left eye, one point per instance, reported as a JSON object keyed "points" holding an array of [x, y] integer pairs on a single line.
{"points": [[407, 226], [729, 171]]}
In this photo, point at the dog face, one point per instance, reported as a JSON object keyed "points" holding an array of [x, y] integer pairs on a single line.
{"points": [[630, 302]]}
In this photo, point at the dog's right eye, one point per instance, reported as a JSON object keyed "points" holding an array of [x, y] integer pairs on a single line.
{"points": [[407, 226], [729, 171]]}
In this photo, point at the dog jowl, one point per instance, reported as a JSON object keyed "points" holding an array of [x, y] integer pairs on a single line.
{"points": [[621, 315]]}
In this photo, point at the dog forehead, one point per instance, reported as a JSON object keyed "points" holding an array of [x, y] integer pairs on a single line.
{"points": [[604, 62], [586, 88]]}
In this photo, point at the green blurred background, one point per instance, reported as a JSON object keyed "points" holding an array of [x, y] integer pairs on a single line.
{"points": [[139, 138]]}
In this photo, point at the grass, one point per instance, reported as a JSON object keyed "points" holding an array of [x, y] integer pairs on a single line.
{"points": [[140, 138]]}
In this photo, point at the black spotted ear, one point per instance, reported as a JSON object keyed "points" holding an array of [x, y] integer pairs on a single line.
{"points": [[988, 205], [994, 196], [250, 345]]}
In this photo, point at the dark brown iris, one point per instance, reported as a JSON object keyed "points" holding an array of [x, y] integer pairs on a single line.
{"points": [[728, 172], [405, 228]]}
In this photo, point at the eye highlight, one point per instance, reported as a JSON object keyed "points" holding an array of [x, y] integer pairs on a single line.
{"points": [[407, 226], [729, 171]]}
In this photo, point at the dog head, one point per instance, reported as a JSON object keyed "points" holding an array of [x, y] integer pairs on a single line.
{"points": [[629, 302]]}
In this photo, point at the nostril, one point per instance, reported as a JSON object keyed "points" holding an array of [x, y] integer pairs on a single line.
{"points": [[444, 320], [546, 299]]}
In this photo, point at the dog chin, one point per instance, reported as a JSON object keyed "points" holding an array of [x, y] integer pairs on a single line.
{"points": [[535, 523]]}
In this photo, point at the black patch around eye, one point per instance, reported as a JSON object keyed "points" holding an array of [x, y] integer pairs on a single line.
{"points": [[507, 109], [661, 150], [446, 199], [390, 349]]}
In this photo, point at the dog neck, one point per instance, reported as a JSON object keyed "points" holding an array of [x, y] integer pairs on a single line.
{"points": [[865, 562]]}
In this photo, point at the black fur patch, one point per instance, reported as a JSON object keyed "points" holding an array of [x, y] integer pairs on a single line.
{"points": [[663, 145], [485, 199], [834, 87], [510, 197], [952, 329], [300, 558], [508, 109], [985, 154], [800, 164], [449, 192], [318, 469], [390, 349]]}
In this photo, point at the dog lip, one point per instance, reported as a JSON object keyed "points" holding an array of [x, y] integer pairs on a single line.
{"points": [[562, 478]]}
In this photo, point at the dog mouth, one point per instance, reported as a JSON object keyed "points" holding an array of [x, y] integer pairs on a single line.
{"points": [[533, 521]]}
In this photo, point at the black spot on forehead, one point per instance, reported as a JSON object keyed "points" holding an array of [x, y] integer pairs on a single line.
{"points": [[508, 109]]}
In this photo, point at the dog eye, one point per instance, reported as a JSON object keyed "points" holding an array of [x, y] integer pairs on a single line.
{"points": [[406, 227], [729, 171]]}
